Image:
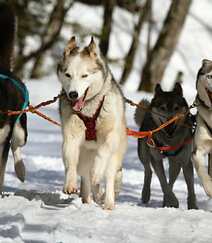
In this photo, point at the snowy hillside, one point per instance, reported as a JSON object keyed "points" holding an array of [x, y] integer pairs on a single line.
{"points": [[37, 211]]}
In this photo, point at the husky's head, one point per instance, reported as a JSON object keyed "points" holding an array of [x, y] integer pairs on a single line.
{"points": [[165, 105], [82, 73], [204, 82]]}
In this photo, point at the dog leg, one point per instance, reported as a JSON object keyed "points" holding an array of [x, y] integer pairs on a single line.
{"points": [[174, 170], [4, 150], [109, 202], [18, 140], [118, 183], [85, 189], [189, 178], [70, 159], [170, 199], [199, 158], [147, 182], [98, 194]]}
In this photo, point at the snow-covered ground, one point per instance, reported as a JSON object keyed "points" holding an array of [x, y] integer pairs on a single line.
{"points": [[37, 211]]}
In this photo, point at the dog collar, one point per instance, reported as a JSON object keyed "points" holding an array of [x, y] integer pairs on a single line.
{"points": [[168, 150], [90, 122]]}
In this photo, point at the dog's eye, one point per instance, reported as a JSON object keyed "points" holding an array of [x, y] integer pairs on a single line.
{"points": [[176, 108], [84, 76], [68, 75], [162, 108], [209, 76]]}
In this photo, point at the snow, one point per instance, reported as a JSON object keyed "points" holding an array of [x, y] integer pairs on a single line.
{"points": [[37, 211]]}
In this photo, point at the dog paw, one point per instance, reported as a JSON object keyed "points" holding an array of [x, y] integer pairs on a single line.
{"points": [[20, 170], [170, 201], [86, 200], [109, 205], [70, 189], [145, 195], [95, 179], [191, 202], [208, 187]]}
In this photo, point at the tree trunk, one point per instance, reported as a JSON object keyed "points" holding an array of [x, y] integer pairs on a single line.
{"points": [[161, 53], [129, 59], [149, 31], [49, 36], [107, 26]]}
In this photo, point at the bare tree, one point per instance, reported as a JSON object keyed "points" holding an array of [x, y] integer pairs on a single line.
{"points": [[107, 25], [129, 59], [161, 53], [49, 36]]}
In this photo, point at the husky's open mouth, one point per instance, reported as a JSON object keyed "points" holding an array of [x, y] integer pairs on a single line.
{"points": [[78, 104]]}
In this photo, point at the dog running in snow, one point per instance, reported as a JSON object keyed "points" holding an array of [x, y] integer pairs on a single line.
{"points": [[13, 129], [173, 142], [93, 124], [203, 134]]}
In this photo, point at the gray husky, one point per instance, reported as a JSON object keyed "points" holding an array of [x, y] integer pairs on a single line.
{"points": [[203, 134], [173, 142]]}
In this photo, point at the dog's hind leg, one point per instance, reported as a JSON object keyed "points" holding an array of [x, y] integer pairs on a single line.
{"points": [[170, 199], [189, 178], [4, 150], [19, 137], [118, 183], [198, 159], [85, 189]]}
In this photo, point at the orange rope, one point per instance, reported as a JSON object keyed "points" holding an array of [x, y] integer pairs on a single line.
{"points": [[34, 109], [130, 132], [143, 134]]}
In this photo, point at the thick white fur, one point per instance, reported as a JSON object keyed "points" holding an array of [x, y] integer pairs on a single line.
{"points": [[93, 160], [202, 138]]}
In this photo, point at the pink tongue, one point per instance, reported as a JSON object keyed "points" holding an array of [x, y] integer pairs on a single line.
{"points": [[79, 104]]}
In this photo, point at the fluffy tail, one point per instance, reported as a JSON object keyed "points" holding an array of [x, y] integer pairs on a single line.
{"points": [[7, 36], [140, 113]]}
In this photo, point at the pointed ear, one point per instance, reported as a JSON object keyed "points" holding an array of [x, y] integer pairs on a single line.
{"points": [[91, 49], [205, 62], [71, 45], [178, 89], [158, 89]]}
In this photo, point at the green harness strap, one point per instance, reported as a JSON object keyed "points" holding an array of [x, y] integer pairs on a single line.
{"points": [[23, 90]]}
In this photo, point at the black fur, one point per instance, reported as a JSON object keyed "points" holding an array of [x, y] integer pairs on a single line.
{"points": [[11, 98]]}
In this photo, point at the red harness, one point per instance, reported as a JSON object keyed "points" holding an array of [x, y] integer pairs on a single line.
{"points": [[166, 149], [90, 122]]}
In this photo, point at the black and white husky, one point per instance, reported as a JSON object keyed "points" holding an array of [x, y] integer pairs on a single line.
{"points": [[93, 123], [173, 142], [13, 96]]}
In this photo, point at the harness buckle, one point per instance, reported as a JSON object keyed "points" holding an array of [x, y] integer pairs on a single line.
{"points": [[151, 143]]}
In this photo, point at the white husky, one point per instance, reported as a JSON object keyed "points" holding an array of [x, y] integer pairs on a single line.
{"points": [[93, 123], [203, 134]]}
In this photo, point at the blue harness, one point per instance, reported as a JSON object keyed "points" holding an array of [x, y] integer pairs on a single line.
{"points": [[22, 89]]}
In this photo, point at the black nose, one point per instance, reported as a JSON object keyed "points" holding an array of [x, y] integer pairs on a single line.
{"points": [[73, 95]]}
